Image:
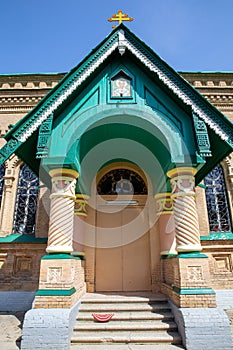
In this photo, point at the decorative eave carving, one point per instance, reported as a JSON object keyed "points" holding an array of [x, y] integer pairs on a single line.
{"points": [[202, 137]]}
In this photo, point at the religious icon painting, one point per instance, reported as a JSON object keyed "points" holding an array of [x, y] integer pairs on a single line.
{"points": [[121, 87]]}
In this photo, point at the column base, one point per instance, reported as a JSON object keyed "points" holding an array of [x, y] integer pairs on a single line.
{"points": [[62, 281], [189, 248], [59, 249]]}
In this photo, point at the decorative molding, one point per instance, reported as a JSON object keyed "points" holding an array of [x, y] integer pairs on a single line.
{"points": [[57, 256], [193, 255], [80, 205], [55, 292], [54, 274], [184, 94], [164, 203], [19, 93], [195, 273], [222, 263], [64, 92], [121, 42], [202, 137], [193, 291], [22, 265], [210, 80], [43, 138], [218, 236], [24, 81]]}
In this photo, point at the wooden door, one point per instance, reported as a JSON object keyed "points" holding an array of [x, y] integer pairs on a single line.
{"points": [[122, 254]]}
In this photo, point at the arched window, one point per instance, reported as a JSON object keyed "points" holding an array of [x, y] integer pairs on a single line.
{"points": [[121, 182], [217, 203], [26, 202], [2, 173]]}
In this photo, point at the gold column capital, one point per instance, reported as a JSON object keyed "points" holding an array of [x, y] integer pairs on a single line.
{"points": [[164, 203], [182, 181], [181, 171], [64, 172], [80, 204]]}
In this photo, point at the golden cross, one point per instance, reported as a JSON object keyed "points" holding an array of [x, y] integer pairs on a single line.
{"points": [[120, 17]]}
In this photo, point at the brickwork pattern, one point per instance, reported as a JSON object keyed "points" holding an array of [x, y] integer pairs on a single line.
{"points": [[20, 266], [48, 329], [69, 274], [220, 255], [187, 273], [203, 328]]}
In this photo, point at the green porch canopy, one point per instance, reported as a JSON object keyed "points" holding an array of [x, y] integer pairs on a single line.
{"points": [[157, 120]]}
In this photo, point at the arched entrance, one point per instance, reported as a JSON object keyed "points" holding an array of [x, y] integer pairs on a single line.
{"points": [[122, 233]]}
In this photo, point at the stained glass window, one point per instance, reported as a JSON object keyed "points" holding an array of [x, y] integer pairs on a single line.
{"points": [[26, 202], [2, 173], [121, 182], [217, 203]]}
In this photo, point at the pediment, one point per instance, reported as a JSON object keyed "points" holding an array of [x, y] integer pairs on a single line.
{"points": [[124, 46]]}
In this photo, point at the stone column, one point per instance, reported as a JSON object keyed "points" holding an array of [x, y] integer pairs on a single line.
{"points": [[9, 195], [185, 211], [80, 211], [164, 209], [60, 236]]}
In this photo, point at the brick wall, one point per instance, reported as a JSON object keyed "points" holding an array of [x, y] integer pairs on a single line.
{"points": [[20, 266]]}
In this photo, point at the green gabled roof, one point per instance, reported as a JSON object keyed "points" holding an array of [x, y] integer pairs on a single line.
{"points": [[122, 39]]}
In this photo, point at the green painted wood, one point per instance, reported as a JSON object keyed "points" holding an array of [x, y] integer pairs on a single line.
{"points": [[202, 186], [218, 236], [192, 255], [60, 256], [55, 292], [169, 256], [193, 291], [22, 238]]}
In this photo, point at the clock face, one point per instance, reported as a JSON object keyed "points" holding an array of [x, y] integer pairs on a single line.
{"points": [[121, 182]]}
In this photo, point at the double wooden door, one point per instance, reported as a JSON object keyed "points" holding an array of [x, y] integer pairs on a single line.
{"points": [[123, 248]]}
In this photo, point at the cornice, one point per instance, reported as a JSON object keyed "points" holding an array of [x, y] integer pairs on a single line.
{"points": [[217, 88], [209, 80], [20, 103], [19, 93], [29, 81]]}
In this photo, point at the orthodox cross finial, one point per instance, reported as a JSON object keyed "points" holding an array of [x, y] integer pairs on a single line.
{"points": [[120, 17]]}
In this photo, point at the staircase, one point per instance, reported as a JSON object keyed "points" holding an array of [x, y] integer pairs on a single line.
{"points": [[139, 322]]}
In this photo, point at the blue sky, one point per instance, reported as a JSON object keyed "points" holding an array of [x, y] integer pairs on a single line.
{"points": [[54, 35]]}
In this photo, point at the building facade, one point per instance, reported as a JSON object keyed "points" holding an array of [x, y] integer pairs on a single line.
{"points": [[117, 177]]}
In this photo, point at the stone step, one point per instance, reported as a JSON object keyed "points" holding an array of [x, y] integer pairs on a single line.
{"points": [[117, 307], [139, 322], [130, 316], [126, 337], [113, 298], [130, 346], [123, 326]]}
